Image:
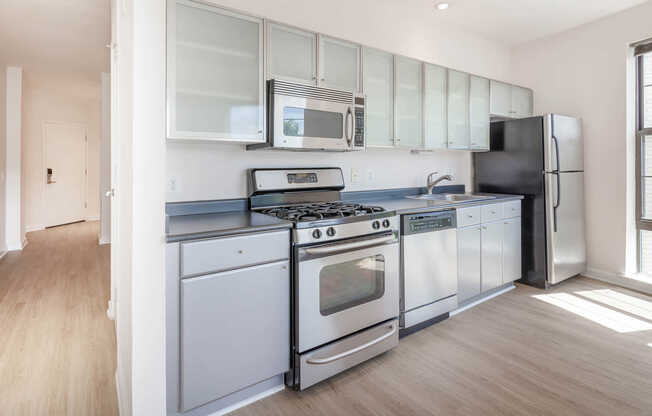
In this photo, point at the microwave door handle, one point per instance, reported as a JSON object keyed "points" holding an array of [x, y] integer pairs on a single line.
{"points": [[348, 127]]}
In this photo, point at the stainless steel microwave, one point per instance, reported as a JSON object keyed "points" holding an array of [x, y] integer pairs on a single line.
{"points": [[304, 117]]}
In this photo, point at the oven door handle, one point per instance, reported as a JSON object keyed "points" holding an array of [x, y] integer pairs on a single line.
{"points": [[318, 361], [350, 246]]}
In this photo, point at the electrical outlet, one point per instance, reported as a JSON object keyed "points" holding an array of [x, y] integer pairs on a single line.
{"points": [[371, 175], [173, 185], [355, 175]]}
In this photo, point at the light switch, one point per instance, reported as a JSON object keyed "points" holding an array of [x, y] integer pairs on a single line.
{"points": [[355, 175]]}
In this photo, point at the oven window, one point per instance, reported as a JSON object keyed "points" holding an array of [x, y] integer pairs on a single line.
{"points": [[345, 285], [303, 122]]}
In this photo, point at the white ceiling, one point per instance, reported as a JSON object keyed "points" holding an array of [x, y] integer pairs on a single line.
{"points": [[513, 22], [56, 35]]}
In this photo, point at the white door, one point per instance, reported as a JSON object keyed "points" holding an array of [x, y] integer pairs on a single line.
{"points": [[378, 82], [435, 115], [492, 261], [479, 113], [65, 173], [501, 99], [458, 110], [468, 277], [291, 54], [408, 102], [339, 64], [512, 250]]}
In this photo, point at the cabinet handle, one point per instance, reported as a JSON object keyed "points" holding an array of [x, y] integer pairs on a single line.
{"points": [[484, 228], [323, 79], [260, 131], [470, 216], [240, 251], [493, 212]]}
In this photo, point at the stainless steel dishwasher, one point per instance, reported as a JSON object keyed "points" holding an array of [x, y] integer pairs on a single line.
{"points": [[428, 269]]}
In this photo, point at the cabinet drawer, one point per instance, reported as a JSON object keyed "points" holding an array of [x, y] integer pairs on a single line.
{"points": [[512, 209], [492, 212], [207, 256], [469, 216]]}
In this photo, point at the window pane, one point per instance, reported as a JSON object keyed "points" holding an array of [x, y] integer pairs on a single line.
{"points": [[345, 285], [646, 252], [647, 69], [647, 91]]}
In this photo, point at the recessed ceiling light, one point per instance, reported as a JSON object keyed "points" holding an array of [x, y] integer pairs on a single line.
{"points": [[442, 6]]}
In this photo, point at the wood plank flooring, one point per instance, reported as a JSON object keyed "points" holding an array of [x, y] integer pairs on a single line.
{"points": [[513, 355], [57, 346]]}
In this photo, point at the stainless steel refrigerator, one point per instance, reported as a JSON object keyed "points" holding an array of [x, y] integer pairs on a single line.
{"points": [[543, 159]]}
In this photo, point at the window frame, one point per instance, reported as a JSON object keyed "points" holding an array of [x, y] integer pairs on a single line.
{"points": [[642, 224]]}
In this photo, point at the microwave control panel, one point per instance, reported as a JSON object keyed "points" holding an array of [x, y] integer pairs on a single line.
{"points": [[359, 136]]}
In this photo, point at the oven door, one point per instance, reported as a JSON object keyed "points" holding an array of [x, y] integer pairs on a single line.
{"points": [[344, 287], [308, 123]]}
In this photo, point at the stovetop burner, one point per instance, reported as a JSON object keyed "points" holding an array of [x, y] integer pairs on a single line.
{"points": [[321, 211]]}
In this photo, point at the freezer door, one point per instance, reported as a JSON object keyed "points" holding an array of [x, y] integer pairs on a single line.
{"points": [[563, 144], [565, 225]]}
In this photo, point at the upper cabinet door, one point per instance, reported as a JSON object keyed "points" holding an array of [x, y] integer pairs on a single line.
{"points": [[215, 74], [501, 99], [291, 54], [378, 81], [408, 102], [521, 102], [479, 113], [339, 64], [435, 112], [458, 110]]}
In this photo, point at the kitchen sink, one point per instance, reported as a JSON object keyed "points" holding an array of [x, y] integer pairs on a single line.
{"points": [[451, 197]]}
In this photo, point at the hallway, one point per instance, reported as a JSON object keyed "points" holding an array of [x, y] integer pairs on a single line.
{"points": [[57, 354]]}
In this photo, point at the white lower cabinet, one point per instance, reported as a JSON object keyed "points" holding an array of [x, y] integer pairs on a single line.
{"points": [[488, 250], [492, 262], [512, 250]]}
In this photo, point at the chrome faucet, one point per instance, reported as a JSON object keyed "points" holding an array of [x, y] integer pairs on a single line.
{"points": [[430, 184]]}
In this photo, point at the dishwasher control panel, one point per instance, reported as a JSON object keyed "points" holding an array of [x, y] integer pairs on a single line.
{"points": [[427, 222]]}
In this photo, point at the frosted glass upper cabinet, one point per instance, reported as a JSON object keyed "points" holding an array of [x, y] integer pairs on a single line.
{"points": [[339, 64], [378, 81], [292, 54], [501, 99], [521, 102], [215, 74], [408, 111], [434, 103], [458, 110], [479, 113]]}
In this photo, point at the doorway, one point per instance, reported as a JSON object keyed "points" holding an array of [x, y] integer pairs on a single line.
{"points": [[64, 147]]}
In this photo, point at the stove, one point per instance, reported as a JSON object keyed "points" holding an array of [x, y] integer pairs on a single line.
{"points": [[345, 270]]}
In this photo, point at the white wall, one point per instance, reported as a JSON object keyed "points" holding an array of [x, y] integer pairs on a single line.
{"points": [[586, 73], [214, 171], [3, 162], [66, 99], [14, 224]]}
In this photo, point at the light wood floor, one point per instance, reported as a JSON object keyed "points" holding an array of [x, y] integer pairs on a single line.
{"points": [[514, 355], [57, 346]]}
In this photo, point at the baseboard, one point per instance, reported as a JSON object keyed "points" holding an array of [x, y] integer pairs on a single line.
{"points": [[3, 253], [93, 218], [35, 227], [103, 241], [482, 299], [619, 279], [110, 311], [249, 400]]}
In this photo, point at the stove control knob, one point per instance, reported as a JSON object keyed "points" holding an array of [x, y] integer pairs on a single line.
{"points": [[375, 225], [386, 223], [316, 234], [330, 231]]}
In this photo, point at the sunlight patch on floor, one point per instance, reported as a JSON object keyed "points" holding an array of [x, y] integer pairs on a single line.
{"points": [[601, 315], [626, 303]]}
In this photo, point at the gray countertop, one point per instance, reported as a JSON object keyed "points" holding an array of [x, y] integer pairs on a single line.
{"points": [[191, 227], [405, 205]]}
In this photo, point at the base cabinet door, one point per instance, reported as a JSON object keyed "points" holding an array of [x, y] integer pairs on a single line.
{"points": [[234, 331], [492, 238], [468, 252], [511, 250]]}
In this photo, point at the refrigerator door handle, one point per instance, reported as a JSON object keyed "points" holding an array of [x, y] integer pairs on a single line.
{"points": [[557, 202], [556, 142]]}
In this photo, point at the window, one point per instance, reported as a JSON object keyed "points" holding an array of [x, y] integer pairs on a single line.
{"points": [[644, 157]]}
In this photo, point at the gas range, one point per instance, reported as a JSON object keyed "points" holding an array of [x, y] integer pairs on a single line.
{"points": [[310, 198]]}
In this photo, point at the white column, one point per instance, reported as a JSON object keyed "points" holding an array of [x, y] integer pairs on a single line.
{"points": [[13, 224]]}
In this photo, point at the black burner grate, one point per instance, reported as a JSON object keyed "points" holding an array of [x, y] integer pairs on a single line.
{"points": [[321, 211]]}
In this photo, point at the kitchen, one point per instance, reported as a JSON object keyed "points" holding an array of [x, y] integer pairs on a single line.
{"points": [[312, 265]]}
